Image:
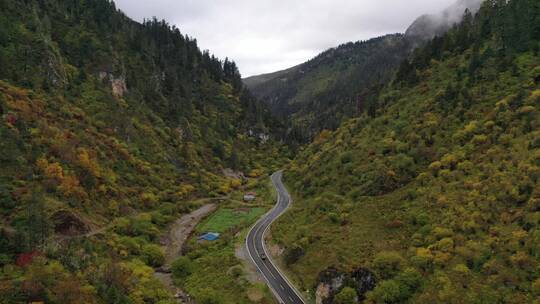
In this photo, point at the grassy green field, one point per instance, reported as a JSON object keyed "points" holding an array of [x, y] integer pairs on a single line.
{"points": [[227, 218]]}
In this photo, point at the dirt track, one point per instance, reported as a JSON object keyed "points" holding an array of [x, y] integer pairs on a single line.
{"points": [[181, 230], [173, 242]]}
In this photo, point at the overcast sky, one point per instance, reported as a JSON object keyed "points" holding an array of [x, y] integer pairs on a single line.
{"points": [[268, 35]]}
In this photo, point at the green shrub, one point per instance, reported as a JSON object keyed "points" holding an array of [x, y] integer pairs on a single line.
{"points": [[466, 167], [159, 219], [132, 245], [387, 292], [346, 296], [122, 226], [209, 296], [434, 167], [153, 255], [334, 217], [397, 290], [346, 158], [445, 244], [440, 232], [181, 268], [423, 260], [145, 228], [387, 264], [421, 219], [536, 287], [410, 278], [236, 271], [6, 200], [293, 254], [5, 259], [404, 164]]}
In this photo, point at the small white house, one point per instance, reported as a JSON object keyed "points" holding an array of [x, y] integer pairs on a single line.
{"points": [[250, 196]]}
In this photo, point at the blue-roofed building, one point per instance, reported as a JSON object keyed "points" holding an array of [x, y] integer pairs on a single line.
{"points": [[209, 236]]}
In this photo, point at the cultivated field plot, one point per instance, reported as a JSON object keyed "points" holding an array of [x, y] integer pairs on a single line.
{"points": [[227, 218]]}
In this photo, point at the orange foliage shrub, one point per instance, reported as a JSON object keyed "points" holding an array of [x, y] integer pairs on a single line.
{"points": [[70, 291], [52, 171], [255, 173], [184, 190], [89, 163], [236, 183], [18, 101], [67, 184], [70, 187]]}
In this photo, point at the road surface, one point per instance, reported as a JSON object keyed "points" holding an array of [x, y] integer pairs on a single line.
{"points": [[278, 283]]}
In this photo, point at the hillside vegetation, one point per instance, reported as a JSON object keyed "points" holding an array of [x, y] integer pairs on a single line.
{"points": [[108, 129], [437, 194], [343, 82], [331, 87]]}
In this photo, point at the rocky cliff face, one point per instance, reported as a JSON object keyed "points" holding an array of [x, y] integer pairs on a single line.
{"points": [[332, 281]]}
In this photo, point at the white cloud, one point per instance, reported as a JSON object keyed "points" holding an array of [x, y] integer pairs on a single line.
{"points": [[268, 35]]}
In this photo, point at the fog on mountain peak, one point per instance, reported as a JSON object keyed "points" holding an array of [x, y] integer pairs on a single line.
{"points": [[430, 25]]}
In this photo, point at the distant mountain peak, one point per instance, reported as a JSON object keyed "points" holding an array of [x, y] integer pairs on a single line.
{"points": [[430, 25]]}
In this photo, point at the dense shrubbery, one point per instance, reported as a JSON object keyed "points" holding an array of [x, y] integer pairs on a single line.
{"points": [[440, 187], [108, 120]]}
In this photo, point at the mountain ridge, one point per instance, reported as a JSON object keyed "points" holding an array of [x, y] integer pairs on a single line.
{"points": [[360, 69], [428, 26]]}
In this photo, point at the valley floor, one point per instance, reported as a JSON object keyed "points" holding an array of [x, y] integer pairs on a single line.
{"points": [[173, 242], [218, 270]]}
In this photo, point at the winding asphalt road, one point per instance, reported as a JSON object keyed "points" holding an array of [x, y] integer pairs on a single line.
{"points": [[278, 283]]}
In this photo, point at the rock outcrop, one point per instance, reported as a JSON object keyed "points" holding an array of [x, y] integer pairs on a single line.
{"points": [[332, 281], [67, 223], [364, 281], [118, 84]]}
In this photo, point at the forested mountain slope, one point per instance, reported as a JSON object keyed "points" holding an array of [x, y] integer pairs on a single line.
{"points": [[434, 199], [320, 93], [342, 82], [102, 118]]}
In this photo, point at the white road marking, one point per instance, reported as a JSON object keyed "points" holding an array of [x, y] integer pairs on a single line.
{"points": [[283, 202]]}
